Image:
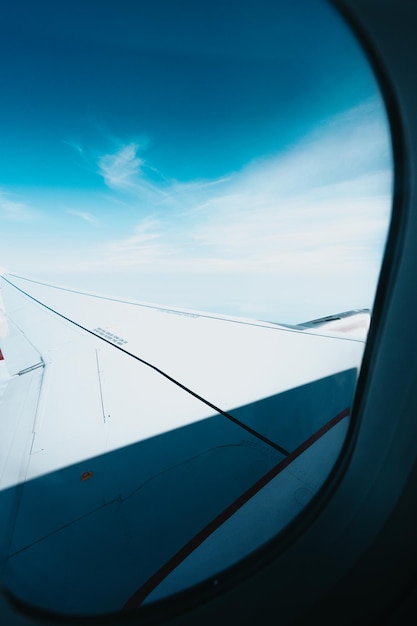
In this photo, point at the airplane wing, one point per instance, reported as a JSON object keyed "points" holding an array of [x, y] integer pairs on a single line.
{"points": [[144, 449]]}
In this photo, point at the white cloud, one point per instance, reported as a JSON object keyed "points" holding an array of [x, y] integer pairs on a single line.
{"points": [[75, 145], [84, 215], [122, 169], [147, 247], [14, 209]]}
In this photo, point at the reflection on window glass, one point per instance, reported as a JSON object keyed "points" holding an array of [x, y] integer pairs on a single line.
{"points": [[194, 202]]}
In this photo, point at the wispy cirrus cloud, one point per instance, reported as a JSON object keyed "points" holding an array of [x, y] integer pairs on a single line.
{"points": [[122, 169], [14, 209], [146, 247], [331, 192], [84, 215], [75, 145], [149, 246]]}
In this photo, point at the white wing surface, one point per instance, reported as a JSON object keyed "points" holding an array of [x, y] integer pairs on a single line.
{"points": [[144, 449]]}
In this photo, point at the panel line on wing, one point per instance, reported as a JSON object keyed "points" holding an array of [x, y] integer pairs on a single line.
{"points": [[100, 388]]}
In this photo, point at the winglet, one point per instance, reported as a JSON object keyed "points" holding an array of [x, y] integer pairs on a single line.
{"points": [[354, 324]]}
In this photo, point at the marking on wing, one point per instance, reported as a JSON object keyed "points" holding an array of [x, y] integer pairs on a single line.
{"points": [[105, 334], [100, 388]]}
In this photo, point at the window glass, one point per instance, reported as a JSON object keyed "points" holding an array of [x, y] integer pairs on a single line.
{"points": [[219, 176]]}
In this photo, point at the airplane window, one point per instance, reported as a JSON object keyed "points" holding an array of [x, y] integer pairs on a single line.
{"points": [[194, 203]]}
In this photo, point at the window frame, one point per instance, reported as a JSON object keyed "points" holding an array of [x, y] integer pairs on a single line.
{"points": [[341, 548]]}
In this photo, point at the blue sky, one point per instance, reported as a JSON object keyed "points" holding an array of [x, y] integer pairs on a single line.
{"points": [[230, 157]]}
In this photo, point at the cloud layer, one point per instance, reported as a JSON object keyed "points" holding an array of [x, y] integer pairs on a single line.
{"points": [[324, 204], [296, 234]]}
